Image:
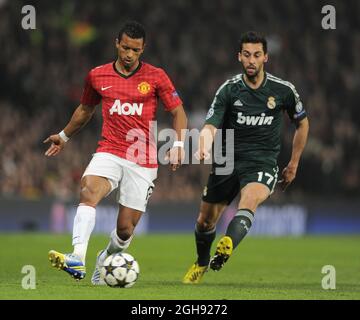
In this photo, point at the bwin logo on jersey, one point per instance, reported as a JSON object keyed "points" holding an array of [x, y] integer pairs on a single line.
{"points": [[255, 120], [126, 109]]}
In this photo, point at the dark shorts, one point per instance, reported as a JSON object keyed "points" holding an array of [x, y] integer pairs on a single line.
{"points": [[224, 188]]}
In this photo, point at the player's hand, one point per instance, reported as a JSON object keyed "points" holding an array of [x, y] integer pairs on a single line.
{"points": [[202, 154], [57, 144], [176, 156], [288, 175]]}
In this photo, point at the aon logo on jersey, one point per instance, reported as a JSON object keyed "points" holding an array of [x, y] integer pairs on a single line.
{"points": [[255, 120], [126, 109]]}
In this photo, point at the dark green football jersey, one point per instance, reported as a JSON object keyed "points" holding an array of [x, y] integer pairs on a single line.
{"points": [[256, 116]]}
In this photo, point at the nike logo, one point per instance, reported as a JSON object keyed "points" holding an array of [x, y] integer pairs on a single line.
{"points": [[105, 88]]}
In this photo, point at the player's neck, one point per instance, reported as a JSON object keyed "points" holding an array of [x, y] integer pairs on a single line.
{"points": [[255, 82], [125, 71]]}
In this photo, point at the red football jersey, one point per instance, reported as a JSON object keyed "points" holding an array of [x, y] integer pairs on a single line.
{"points": [[128, 108]]}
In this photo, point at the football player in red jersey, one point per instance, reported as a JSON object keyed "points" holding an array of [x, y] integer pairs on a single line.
{"points": [[129, 90]]}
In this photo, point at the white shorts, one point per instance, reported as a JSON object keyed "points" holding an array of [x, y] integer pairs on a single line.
{"points": [[135, 182]]}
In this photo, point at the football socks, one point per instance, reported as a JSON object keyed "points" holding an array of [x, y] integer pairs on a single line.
{"points": [[84, 223], [240, 226], [203, 245]]}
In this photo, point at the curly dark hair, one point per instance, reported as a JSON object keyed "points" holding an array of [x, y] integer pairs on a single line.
{"points": [[253, 37], [133, 29]]}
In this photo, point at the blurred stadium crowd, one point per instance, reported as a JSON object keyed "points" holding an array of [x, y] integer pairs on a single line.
{"points": [[42, 73]]}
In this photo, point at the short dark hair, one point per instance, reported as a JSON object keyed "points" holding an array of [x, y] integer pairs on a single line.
{"points": [[253, 37], [133, 29]]}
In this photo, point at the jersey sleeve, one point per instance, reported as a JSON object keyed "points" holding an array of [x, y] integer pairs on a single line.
{"points": [[167, 93], [215, 115], [90, 97], [294, 106]]}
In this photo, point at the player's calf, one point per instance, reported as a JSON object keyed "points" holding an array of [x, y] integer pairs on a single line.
{"points": [[236, 231]]}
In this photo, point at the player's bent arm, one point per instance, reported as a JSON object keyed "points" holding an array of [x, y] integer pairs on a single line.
{"points": [[176, 154], [299, 141], [179, 122], [80, 117], [206, 140]]}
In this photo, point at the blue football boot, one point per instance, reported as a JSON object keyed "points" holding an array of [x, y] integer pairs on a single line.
{"points": [[68, 262]]}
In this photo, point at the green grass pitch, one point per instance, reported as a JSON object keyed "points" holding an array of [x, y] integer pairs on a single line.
{"points": [[260, 268]]}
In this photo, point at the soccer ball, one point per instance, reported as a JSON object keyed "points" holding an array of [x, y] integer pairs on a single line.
{"points": [[120, 270]]}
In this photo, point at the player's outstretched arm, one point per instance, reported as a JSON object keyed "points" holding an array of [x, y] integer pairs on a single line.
{"points": [[176, 154], [206, 140], [80, 117], [299, 142]]}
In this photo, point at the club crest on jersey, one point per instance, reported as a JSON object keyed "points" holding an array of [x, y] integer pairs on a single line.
{"points": [[144, 87], [271, 104]]}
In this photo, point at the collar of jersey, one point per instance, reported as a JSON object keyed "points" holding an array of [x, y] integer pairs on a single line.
{"points": [[131, 74], [262, 83]]}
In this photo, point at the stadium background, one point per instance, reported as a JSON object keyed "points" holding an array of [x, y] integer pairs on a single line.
{"points": [[42, 73], [318, 217]]}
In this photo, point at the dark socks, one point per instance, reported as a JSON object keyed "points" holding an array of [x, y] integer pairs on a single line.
{"points": [[203, 245], [240, 226]]}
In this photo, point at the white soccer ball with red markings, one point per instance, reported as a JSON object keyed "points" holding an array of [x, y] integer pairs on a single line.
{"points": [[120, 270]]}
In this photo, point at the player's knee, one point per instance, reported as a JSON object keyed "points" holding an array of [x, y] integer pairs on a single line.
{"points": [[250, 201], [88, 194], [124, 233], [204, 225]]}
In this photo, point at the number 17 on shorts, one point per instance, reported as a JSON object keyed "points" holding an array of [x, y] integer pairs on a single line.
{"points": [[267, 178]]}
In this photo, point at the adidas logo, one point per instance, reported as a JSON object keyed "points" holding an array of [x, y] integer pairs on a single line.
{"points": [[238, 103]]}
